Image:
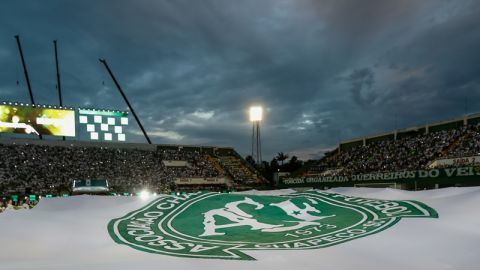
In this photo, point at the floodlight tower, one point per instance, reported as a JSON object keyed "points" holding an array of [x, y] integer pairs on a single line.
{"points": [[256, 115]]}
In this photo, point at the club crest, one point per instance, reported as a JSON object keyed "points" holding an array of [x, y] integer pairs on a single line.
{"points": [[225, 226]]}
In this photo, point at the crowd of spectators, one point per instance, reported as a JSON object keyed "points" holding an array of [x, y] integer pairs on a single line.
{"points": [[198, 164], [44, 168], [468, 145], [8, 205], [406, 153], [51, 169]]}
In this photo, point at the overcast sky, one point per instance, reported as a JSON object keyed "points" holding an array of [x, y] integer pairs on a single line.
{"points": [[324, 70]]}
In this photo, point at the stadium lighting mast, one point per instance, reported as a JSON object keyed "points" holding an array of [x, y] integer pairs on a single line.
{"points": [[256, 116], [59, 85], [30, 92], [19, 45], [104, 62]]}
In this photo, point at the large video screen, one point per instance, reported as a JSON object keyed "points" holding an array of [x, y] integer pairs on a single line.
{"points": [[103, 125], [37, 120]]}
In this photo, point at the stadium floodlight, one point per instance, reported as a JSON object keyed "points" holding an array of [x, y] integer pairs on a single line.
{"points": [[256, 113], [256, 116]]}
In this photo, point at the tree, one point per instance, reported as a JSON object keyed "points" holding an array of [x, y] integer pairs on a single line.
{"points": [[294, 164], [250, 160], [274, 165], [281, 157]]}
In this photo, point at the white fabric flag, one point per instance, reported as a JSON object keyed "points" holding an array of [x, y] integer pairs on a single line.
{"points": [[342, 228]]}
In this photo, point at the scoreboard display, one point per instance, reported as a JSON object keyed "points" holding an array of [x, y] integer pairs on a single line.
{"points": [[38, 120], [103, 124]]}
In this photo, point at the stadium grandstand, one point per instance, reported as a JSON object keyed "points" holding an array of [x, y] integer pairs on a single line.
{"points": [[45, 167], [412, 158]]}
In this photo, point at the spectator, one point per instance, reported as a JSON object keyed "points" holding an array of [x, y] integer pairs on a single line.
{"points": [[9, 205], [26, 204]]}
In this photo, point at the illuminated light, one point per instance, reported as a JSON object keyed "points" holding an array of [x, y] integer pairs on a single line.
{"points": [[154, 194], [256, 113]]}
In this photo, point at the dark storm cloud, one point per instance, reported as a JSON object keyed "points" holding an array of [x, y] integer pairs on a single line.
{"points": [[362, 82], [326, 71]]}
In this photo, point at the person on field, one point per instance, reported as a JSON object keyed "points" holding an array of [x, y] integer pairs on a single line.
{"points": [[26, 204], [9, 205]]}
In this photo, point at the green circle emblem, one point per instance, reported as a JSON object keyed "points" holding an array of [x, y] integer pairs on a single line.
{"points": [[222, 226]]}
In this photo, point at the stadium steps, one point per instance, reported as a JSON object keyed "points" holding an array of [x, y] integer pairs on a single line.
{"points": [[235, 166], [223, 162], [216, 164]]}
